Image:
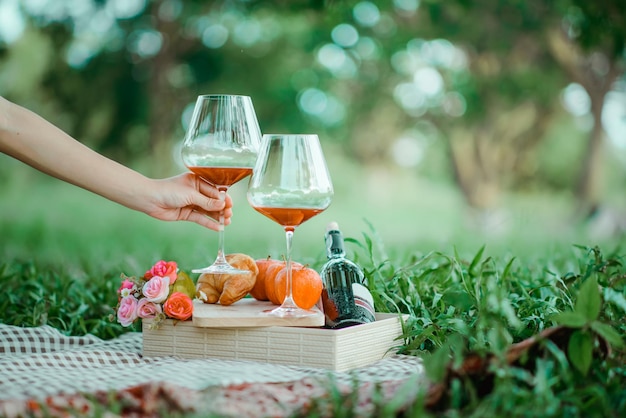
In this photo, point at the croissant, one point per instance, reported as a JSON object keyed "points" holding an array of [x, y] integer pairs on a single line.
{"points": [[228, 288]]}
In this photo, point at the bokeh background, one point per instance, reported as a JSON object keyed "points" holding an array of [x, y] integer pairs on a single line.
{"points": [[447, 125]]}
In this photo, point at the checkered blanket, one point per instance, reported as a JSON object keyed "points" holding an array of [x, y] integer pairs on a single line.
{"points": [[42, 370]]}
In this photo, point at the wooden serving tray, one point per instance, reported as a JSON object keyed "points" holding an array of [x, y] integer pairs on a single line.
{"points": [[248, 312], [334, 349]]}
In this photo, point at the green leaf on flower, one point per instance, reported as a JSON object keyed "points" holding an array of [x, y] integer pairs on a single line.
{"points": [[570, 319], [580, 351], [184, 284], [608, 333], [588, 301]]}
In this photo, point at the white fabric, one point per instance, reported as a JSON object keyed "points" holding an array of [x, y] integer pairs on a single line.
{"points": [[40, 362]]}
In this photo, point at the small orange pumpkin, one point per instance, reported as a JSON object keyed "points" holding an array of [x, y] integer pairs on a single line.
{"points": [[258, 291], [270, 279], [306, 286]]}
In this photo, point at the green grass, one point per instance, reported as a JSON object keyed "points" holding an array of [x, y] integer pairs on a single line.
{"points": [[457, 307], [467, 292], [46, 220]]}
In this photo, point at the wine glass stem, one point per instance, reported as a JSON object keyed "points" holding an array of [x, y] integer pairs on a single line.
{"points": [[289, 302], [221, 259]]}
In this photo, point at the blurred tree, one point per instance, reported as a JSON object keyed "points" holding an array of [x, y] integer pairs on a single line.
{"points": [[510, 91], [590, 45], [123, 72], [387, 79], [477, 72], [132, 64], [486, 73]]}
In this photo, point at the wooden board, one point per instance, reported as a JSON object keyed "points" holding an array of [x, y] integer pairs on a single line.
{"points": [[248, 312]]}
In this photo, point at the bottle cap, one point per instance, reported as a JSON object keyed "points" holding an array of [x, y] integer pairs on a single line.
{"points": [[333, 226], [334, 239]]}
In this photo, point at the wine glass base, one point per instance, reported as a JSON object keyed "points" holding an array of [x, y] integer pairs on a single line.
{"points": [[291, 312], [221, 269]]}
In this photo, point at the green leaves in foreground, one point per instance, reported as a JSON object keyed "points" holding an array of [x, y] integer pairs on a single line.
{"points": [[585, 317], [511, 337], [580, 350], [74, 302]]}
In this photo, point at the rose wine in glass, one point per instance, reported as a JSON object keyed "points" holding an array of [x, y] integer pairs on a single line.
{"points": [[221, 146], [290, 184]]}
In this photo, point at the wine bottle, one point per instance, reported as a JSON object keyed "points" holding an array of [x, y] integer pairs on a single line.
{"points": [[346, 300]]}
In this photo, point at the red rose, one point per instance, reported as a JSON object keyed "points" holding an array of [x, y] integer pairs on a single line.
{"points": [[178, 306], [163, 269]]}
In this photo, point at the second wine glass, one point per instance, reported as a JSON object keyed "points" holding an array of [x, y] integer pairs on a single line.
{"points": [[290, 184], [221, 146]]}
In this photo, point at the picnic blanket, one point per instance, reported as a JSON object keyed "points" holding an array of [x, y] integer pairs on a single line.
{"points": [[46, 373]]}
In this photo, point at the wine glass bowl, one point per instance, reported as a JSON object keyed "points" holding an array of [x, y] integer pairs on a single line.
{"points": [[221, 146], [290, 184]]}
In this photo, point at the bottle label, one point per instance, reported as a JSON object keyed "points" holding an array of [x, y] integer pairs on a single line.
{"points": [[363, 300]]}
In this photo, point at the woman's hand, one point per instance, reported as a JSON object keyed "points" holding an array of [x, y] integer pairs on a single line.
{"points": [[186, 197], [35, 141]]}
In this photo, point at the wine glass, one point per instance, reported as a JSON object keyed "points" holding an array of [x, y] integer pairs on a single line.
{"points": [[290, 184], [221, 146]]}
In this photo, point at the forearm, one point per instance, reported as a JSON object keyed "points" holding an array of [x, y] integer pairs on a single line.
{"points": [[36, 142]]}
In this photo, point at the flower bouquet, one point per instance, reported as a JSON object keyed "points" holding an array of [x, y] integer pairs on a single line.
{"points": [[162, 292]]}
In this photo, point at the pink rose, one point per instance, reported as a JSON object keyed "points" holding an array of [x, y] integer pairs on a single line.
{"points": [[163, 269], [156, 289], [126, 284], [147, 309], [126, 288], [127, 311], [178, 306]]}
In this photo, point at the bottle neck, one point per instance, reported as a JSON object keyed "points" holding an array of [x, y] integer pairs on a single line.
{"points": [[334, 244]]}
